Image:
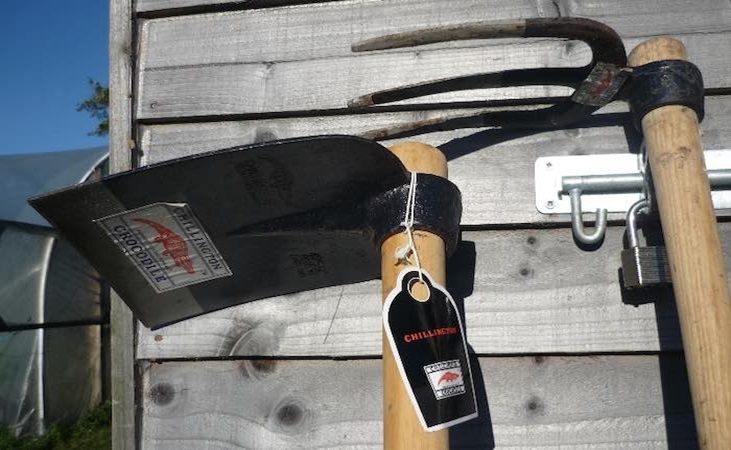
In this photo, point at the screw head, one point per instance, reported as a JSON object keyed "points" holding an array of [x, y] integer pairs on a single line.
{"points": [[550, 204]]}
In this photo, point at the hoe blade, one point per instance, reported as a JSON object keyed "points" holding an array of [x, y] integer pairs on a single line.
{"points": [[201, 233]]}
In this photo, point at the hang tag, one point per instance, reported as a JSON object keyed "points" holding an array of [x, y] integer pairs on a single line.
{"points": [[427, 340]]}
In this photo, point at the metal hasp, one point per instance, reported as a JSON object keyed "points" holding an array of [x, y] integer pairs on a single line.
{"points": [[642, 266], [575, 186], [577, 221], [596, 84], [609, 183], [622, 182], [284, 216]]}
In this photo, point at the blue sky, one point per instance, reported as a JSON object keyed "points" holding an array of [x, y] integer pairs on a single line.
{"points": [[49, 49]]}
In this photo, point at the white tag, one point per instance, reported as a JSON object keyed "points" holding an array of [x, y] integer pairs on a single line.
{"points": [[427, 340]]}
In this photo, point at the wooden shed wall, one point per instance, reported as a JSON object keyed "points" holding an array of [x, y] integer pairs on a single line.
{"points": [[568, 358]]}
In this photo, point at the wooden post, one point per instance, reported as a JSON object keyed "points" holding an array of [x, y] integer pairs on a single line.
{"points": [[401, 426], [122, 326], [672, 139]]}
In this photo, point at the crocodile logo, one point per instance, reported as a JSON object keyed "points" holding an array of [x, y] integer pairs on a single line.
{"points": [[448, 377], [174, 245]]}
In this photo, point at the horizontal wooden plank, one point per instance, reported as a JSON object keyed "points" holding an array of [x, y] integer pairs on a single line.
{"points": [[657, 17], [493, 169], [267, 87], [327, 30], [174, 7], [299, 58], [316, 31], [154, 5], [608, 402], [627, 17], [283, 87], [524, 291]]}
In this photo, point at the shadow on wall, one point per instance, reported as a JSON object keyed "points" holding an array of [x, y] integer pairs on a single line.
{"points": [[478, 432], [677, 402]]}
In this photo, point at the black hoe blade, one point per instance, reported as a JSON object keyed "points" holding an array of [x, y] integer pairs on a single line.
{"points": [[200, 233]]}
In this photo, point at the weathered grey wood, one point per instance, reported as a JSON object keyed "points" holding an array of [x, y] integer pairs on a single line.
{"points": [[268, 87], [494, 170], [154, 5], [487, 179], [120, 126], [606, 402], [158, 8], [533, 291], [317, 31], [327, 30], [298, 58], [175, 6], [661, 17]]}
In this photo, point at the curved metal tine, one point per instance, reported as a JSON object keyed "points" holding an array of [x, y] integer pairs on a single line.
{"points": [[605, 44], [556, 116], [561, 76], [577, 221]]}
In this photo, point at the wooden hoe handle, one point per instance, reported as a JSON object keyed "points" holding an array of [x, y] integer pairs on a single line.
{"points": [[401, 426], [673, 145]]}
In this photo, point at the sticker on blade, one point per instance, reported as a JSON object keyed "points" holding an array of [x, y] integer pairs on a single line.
{"points": [[167, 244]]}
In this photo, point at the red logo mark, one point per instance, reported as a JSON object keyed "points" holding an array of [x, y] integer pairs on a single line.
{"points": [[603, 85], [175, 246], [448, 377]]}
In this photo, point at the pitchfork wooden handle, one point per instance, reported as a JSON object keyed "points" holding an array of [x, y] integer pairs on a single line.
{"points": [[401, 427], [673, 144]]}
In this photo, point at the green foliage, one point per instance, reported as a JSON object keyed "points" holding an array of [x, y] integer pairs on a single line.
{"points": [[97, 106], [92, 432]]}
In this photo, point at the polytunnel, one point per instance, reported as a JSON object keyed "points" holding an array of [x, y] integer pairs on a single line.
{"points": [[53, 304]]}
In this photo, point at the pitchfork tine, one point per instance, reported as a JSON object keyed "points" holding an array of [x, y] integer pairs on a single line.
{"points": [[568, 76], [605, 44], [608, 55]]}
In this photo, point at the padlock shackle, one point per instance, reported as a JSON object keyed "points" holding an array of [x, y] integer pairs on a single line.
{"points": [[632, 216]]}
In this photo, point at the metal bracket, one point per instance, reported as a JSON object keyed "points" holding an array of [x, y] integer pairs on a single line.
{"points": [[609, 183], [551, 170]]}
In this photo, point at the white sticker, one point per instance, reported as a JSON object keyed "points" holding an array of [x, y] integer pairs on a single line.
{"points": [[167, 244], [445, 378]]}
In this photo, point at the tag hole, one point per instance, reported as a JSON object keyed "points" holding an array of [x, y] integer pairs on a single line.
{"points": [[419, 290]]}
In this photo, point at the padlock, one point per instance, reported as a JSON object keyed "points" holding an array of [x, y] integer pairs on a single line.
{"points": [[643, 266]]}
